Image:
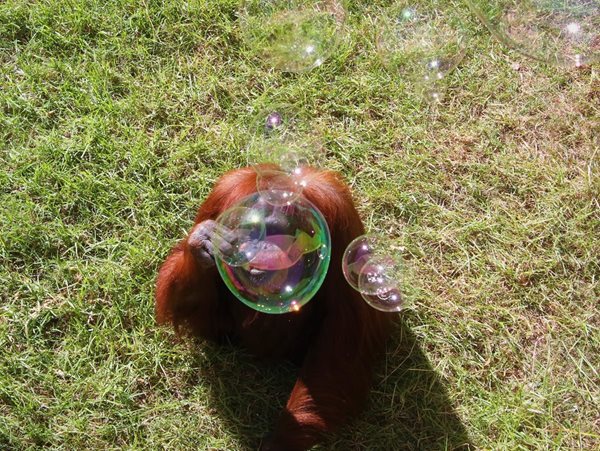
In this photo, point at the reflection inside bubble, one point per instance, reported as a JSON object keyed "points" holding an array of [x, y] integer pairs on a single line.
{"points": [[282, 253]]}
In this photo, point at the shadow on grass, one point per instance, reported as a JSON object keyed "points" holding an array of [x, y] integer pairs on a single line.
{"points": [[409, 407]]}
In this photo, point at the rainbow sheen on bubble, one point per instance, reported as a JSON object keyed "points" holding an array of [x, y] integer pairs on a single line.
{"points": [[419, 44], [558, 32], [289, 252], [293, 35], [277, 120]]}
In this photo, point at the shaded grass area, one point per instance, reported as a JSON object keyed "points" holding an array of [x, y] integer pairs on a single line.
{"points": [[117, 117]]}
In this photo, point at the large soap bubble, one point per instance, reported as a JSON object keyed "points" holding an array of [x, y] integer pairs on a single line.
{"points": [[559, 32], [281, 256], [373, 267], [418, 43], [293, 35]]}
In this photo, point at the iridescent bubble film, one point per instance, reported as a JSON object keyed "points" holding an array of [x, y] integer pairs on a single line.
{"points": [[276, 120], [559, 32], [273, 122], [420, 44], [289, 252], [378, 275], [293, 35]]}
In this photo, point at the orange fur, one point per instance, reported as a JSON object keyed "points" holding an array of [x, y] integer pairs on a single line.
{"points": [[336, 336]]}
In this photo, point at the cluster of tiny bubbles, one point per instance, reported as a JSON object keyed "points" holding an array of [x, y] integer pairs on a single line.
{"points": [[372, 267], [293, 35], [272, 257], [563, 33], [420, 45]]}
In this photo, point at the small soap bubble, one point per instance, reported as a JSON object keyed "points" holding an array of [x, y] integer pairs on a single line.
{"points": [[282, 176], [289, 248], [562, 33], [277, 120], [273, 122], [272, 131], [421, 45], [279, 136], [293, 35]]}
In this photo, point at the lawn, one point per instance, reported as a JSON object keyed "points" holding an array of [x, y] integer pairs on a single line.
{"points": [[116, 118]]}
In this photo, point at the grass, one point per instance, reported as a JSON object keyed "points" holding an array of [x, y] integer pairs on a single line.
{"points": [[117, 117]]}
